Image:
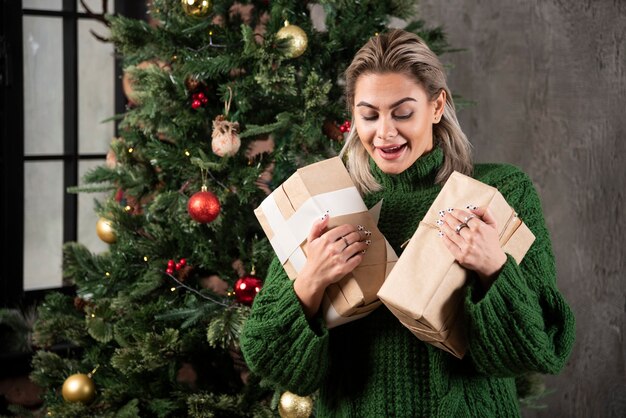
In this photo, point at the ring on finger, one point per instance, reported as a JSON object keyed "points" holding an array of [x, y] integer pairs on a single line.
{"points": [[468, 218], [459, 227], [346, 241]]}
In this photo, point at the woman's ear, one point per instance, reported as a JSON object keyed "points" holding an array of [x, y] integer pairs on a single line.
{"points": [[439, 106]]}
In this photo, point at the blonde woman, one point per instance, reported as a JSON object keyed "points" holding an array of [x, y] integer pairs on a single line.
{"points": [[405, 142]]}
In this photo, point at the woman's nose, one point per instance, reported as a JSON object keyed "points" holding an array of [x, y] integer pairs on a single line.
{"points": [[386, 128]]}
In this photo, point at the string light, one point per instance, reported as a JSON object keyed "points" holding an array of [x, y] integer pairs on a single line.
{"points": [[187, 153], [191, 289], [211, 41], [173, 289], [145, 258], [130, 150]]}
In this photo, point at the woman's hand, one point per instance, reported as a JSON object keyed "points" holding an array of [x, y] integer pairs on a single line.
{"points": [[331, 254], [472, 238]]}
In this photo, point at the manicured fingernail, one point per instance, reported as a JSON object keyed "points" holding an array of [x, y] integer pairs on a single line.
{"points": [[360, 227], [439, 222], [368, 233], [440, 234], [368, 242], [470, 207], [450, 209], [364, 251], [442, 213]]}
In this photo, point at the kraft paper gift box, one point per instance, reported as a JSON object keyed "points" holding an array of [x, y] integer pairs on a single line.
{"points": [[287, 216], [425, 289]]}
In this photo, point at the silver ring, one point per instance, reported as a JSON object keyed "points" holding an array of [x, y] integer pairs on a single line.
{"points": [[346, 241], [459, 227], [468, 218]]}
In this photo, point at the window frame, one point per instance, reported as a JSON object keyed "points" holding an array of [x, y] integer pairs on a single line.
{"points": [[12, 157]]}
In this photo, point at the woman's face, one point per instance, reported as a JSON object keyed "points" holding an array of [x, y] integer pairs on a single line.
{"points": [[394, 119]]}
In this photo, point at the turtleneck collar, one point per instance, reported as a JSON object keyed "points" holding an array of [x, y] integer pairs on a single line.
{"points": [[424, 169]]}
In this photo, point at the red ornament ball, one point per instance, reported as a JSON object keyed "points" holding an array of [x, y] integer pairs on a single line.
{"points": [[246, 288], [203, 206]]}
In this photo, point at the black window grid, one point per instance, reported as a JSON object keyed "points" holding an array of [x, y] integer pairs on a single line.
{"points": [[12, 156]]}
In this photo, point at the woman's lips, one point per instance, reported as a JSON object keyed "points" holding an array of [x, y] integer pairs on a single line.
{"points": [[391, 152]]}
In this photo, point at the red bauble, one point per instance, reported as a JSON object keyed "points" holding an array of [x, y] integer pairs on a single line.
{"points": [[203, 206], [246, 288]]}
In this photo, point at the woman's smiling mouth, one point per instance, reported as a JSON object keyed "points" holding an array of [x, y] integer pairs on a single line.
{"points": [[391, 152]]}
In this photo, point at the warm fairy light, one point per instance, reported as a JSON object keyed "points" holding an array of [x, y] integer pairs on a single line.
{"points": [[128, 208], [145, 258], [173, 289], [210, 33], [93, 315], [187, 153], [107, 274], [130, 150]]}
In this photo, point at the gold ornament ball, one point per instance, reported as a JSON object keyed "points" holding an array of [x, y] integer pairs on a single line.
{"points": [[294, 406], [297, 39], [197, 8], [105, 231], [79, 388]]}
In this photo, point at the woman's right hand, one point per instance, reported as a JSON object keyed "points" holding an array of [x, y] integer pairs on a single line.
{"points": [[331, 254]]}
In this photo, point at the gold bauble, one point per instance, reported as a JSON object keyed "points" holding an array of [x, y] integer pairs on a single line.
{"points": [[79, 388], [105, 231], [294, 406], [197, 8], [297, 39]]}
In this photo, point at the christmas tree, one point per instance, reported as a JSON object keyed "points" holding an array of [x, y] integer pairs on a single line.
{"points": [[225, 100]]}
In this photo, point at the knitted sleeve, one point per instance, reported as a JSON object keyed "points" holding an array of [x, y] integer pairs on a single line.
{"points": [[522, 323], [279, 343]]}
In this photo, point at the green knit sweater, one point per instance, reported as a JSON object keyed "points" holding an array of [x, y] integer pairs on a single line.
{"points": [[374, 367]]}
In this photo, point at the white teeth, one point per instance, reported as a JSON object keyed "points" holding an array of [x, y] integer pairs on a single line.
{"points": [[392, 149]]}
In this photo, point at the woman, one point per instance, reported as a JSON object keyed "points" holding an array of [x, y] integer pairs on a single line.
{"points": [[405, 143]]}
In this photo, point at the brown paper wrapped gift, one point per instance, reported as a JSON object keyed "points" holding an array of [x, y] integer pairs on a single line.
{"points": [[425, 288], [287, 216]]}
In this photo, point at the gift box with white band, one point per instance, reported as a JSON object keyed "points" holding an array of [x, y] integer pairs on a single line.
{"points": [[287, 216]]}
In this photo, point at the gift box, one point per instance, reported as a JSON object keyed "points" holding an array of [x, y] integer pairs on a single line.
{"points": [[425, 289], [287, 216]]}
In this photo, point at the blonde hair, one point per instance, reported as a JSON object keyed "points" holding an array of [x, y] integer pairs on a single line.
{"points": [[399, 51]]}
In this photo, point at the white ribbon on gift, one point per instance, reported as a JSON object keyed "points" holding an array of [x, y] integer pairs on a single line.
{"points": [[290, 233]]}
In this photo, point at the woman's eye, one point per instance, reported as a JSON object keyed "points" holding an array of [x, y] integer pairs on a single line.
{"points": [[403, 116], [369, 117]]}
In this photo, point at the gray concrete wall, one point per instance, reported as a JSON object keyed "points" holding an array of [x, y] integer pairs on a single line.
{"points": [[549, 81]]}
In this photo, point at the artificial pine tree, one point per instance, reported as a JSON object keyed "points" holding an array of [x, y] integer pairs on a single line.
{"points": [[225, 101]]}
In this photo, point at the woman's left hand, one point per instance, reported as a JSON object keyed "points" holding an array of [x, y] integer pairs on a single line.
{"points": [[472, 237]]}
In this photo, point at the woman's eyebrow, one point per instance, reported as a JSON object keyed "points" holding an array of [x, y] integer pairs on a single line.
{"points": [[395, 104]]}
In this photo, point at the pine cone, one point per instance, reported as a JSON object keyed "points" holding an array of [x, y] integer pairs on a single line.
{"points": [[332, 131]]}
